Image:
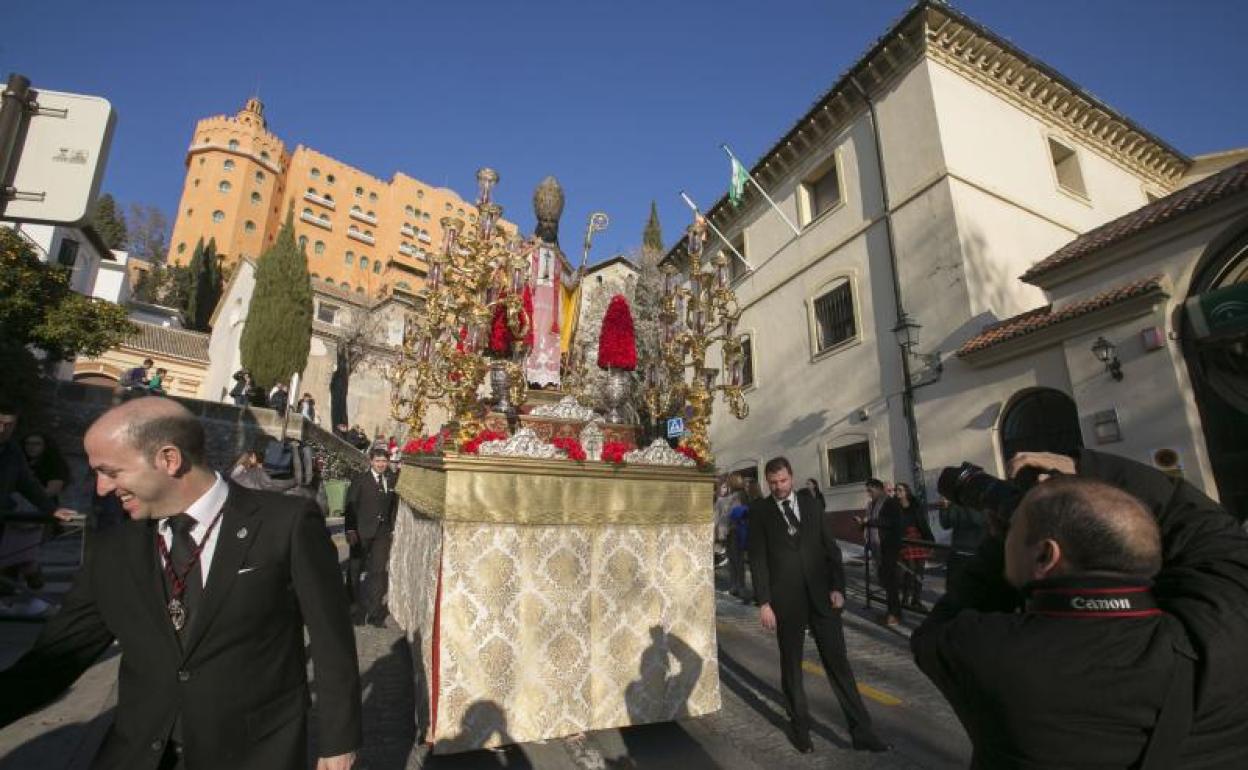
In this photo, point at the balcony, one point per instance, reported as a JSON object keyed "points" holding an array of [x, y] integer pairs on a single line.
{"points": [[423, 237], [360, 215], [362, 237], [408, 249], [312, 219], [318, 200], [408, 231]]}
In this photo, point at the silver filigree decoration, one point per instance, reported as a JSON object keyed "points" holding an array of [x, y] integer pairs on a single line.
{"points": [[566, 409], [591, 441], [658, 453], [524, 443]]}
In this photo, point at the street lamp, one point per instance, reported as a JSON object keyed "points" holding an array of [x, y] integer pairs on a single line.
{"points": [[1107, 353], [907, 333]]}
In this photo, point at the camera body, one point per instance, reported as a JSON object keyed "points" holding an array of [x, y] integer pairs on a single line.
{"points": [[970, 486]]}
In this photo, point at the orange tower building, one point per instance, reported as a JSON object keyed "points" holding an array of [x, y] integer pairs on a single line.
{"points": [[360, 233]]}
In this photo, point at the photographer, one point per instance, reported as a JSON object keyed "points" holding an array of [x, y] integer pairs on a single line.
{"points": [[1129, 649]]}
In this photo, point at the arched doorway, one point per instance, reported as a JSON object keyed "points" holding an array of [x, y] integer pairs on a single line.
{"points": [[1040, 420], [1215, 345]]}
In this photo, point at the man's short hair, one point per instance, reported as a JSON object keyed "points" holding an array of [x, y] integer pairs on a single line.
{"points": [[875, 484], [378, 452], [148, 362], [777, 464], [183, 431], [1099, 527]]}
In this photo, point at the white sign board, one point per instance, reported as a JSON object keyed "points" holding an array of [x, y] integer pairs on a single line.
{"points": [[675, 427], [60, 159]]}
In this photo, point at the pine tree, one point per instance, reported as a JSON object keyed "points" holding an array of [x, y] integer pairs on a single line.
{"points": [[652, 238], [109, 222], [278, 330]]}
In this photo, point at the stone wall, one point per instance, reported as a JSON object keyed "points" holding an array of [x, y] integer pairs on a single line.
{"points": [[73, 406]]}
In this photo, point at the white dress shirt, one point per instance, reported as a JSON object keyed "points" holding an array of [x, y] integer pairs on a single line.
{"points": [[380, 478], [203, 510], [792, 501]]}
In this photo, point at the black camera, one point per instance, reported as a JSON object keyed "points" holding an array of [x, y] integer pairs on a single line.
{"points": [[970, 486]]}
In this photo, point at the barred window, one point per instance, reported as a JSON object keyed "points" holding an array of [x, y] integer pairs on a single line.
{"points": [[834, 316], [849, 464]]}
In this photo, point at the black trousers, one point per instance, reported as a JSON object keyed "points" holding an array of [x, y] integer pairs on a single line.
{"points": [[890, 579], [370, 574], [830, 641], [736, 567]]}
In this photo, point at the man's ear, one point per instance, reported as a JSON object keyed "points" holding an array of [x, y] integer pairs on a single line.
{"points": [[1048, 559], [169, 459]]}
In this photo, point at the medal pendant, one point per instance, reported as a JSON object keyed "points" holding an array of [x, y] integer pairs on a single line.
{"points": [[177, 613]]}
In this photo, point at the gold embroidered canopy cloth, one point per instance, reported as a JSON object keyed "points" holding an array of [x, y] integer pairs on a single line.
{"points": [[545, 598]]}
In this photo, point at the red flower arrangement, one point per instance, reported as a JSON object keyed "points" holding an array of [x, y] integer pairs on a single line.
{"points": [[474, 444], [689, 452], [571, 447], [425, 445], [617, 345], [613, 452], [500, 332]]}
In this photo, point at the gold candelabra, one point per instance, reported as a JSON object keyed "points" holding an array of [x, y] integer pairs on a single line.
{"points": [[446, 351], [699, 310]]}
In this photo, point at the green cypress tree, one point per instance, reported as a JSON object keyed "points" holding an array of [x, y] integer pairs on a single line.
{"points": [[652, 238], [278, 331], [197, 297], [109, 222]]}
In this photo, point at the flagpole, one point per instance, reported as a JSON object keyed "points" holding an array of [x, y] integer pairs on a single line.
{"points": [[759, 187], [689, 202]]}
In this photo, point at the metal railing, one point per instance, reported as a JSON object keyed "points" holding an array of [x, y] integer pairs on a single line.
{"points": [[927, 582]]}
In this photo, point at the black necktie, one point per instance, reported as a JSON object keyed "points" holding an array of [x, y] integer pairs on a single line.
{"points": [[790, 517], [185, 562]]}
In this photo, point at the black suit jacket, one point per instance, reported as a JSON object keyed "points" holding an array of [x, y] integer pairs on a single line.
{"points": [[239, 680], [889, 523], [791, 571], [369, 510]]}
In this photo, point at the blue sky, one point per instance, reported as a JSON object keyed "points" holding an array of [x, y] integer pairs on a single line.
{"points": [[623, 101]]}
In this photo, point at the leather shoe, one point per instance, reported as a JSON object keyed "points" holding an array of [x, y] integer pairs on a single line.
{"points": [[801, 740], [870, 742]]}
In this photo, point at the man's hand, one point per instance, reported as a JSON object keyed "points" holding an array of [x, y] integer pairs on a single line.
{"points": [[838, 599], [340, 762], [767, 617], [1043, 461], [353, 537], [67, 514]]}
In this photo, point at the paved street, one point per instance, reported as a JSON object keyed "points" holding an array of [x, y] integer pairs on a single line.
{"points": [[747, 734]]}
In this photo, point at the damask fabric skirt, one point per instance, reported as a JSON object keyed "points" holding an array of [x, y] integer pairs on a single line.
{"points": [[535, 631]]}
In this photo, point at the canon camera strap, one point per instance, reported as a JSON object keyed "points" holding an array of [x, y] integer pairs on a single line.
{"points": [[1109, 602]]}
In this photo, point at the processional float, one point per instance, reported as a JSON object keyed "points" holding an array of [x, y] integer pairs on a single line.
{"points": [[552, 576]]}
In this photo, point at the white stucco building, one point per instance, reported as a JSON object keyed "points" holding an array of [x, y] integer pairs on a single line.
{"points": [[940, 168]]}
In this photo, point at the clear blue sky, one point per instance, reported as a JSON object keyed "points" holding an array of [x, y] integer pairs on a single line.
{"points": [[623, 101]]}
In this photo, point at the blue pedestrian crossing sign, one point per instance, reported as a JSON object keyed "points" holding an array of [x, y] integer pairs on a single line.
{"points": [[675, 427]]}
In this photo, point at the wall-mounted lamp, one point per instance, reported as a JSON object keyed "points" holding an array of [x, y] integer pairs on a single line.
{"points": [[907, 333], [1107, 353]]}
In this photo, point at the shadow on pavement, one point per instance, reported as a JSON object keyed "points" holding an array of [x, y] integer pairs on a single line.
{"points": [[70, 747]]}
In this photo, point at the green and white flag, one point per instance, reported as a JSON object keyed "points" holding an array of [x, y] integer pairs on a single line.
{"points": [[736, 187]]}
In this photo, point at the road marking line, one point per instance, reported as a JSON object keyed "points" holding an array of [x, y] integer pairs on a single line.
{"points": [[866, 690]]}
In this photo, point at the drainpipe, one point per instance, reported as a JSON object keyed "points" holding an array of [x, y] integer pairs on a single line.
{"points": [[907, 393]]}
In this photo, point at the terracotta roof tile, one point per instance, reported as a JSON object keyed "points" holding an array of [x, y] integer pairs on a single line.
{"points": [[1192, 198], [1043, 317], [162, 340]]}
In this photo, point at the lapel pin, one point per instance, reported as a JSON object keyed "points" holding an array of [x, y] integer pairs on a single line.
{"points": [[242, 533]]}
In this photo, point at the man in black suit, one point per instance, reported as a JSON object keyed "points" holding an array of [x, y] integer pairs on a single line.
{"points": [[371, 503], [884, 517], [799, 583], [208, 588]]}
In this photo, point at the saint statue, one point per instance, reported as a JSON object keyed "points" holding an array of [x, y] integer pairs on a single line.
{"points": [[553, 285]]}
